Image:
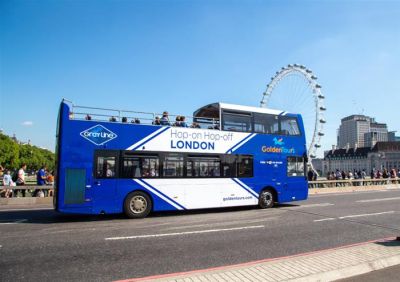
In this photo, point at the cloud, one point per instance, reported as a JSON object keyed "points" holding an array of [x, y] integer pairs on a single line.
{"points": [[27, 123]]}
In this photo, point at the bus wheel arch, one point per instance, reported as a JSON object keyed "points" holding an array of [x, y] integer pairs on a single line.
{"points": [[267, 198], [138, 204]]}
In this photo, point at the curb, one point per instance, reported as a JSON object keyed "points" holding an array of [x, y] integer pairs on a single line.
{"points": [[323, 265], [32, 201], [352, 270]]}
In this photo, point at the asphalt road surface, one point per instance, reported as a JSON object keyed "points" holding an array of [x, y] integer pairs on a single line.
{"points": [[41, 245]]}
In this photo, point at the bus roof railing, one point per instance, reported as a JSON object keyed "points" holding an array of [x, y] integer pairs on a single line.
{"points": [[128, 116]]}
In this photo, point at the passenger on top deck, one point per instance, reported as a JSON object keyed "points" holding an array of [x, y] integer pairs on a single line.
{"points": [[183, 122], [165, 119], [157, 121]]}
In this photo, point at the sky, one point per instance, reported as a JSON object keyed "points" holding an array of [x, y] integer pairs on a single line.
{"points": [[180, 55]]}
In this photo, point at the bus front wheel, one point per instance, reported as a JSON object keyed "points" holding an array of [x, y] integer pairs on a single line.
{"points": [[266, 199], [137, 205]]}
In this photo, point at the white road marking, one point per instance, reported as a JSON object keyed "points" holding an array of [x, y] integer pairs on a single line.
{"points": [[219, 224], [185, 233], [325, 219], [366, 214], [378, 200], [14, 222], [352, 216], [312, 206]]}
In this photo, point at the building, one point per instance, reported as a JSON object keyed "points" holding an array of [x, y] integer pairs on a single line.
{"points": [[383, 155], [378, 133], [358, 131], [392, 136]]}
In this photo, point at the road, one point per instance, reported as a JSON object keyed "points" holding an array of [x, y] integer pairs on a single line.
{"points": [[46, 246]]}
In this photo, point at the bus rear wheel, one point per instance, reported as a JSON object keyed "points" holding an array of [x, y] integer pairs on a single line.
{"points": [[137, 205], [266, 199]]}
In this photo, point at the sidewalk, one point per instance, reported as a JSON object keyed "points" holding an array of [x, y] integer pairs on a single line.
{"points": [[326, 265], [314, 191]]}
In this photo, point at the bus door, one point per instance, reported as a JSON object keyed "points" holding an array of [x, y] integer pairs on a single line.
{"points": [[77, 186], [104, 182], [295, 182]]}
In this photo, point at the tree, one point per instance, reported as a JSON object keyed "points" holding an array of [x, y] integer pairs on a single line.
{"points": [[12, 155], [9, 152]]}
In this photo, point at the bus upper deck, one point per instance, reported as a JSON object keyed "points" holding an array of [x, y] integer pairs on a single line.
{"points": [[222, 116]]}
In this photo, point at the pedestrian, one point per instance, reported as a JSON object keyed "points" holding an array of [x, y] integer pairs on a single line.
{"points": [[21, 180], [40, 180], [310, 175], [7, 182]]}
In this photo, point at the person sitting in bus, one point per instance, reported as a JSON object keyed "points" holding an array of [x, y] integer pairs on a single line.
{"points": [[145, 172], [195, 125], [153, 172], [124, 119], [157, 121], [177, 121], [109, 171], [137, 121], [112, 119], [165, 119], [203, 171], [183, 122], [88, 117]]}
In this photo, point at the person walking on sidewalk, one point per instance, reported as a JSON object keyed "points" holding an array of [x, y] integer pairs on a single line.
{"points": [[40, 181], [21, 180], [8, 183]]}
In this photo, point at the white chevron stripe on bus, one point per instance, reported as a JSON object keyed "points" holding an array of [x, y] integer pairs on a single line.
{"points": [[145, 139], [158, 194]]}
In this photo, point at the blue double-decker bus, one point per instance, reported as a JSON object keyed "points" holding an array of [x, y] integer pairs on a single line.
{"points": [[225, 155]]}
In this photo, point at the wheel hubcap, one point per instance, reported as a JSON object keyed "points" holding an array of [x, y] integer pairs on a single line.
{"points": [[138, 204], [267, 198]]}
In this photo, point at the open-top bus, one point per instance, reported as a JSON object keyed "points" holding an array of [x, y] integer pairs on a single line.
{"points": [[232, 155]]}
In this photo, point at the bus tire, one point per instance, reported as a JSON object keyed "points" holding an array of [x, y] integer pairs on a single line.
{"points": [[137, 205], [266, 199]]}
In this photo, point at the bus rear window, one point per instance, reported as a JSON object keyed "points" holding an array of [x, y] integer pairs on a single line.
{"points": [[289, 126], [295, 166]]}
